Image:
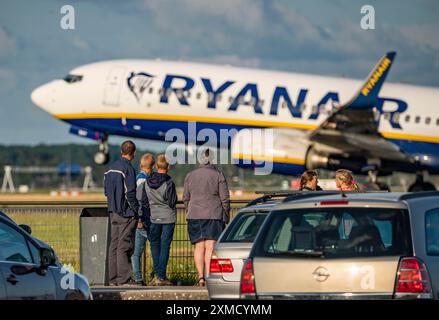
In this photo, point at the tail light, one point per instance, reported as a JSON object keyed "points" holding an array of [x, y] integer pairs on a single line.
{"points": [[413, 279], [221, 266], [248, 279]]}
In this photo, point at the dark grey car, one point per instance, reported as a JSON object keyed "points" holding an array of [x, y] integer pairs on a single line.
{"points": [[30, 270]]}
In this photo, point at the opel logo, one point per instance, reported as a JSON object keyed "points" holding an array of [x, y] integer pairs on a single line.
{"points": [[320, 274]]}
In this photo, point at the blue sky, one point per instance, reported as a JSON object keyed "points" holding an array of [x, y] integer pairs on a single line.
{"points": [[321, 37]]}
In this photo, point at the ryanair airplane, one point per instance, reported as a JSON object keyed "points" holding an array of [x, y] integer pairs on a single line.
{"points": [[317, 121]]}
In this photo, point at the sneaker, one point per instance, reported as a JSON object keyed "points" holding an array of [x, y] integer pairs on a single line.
{"points": [[130, 282], [154, 282], [165, 282], [140, 283]]}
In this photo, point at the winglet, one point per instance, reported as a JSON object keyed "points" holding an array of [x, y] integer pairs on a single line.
{"points": [[367, 96]]}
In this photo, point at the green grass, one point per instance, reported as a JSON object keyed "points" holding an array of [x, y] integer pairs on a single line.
{"points": [[59, 227]]}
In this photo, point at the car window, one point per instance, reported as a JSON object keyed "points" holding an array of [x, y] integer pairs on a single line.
{"points": [[35, 253], [13, 245], [432, 231], [335, 232], [244, 227]]}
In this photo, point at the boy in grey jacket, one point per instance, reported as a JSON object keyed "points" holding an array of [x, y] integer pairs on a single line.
{"points": [[162, 201]]}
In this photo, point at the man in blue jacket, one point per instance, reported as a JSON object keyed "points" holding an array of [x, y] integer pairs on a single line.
{"points": [[123, 208]]}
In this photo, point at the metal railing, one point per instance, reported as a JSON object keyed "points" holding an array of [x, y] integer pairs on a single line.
{"points": [[57, 223]]}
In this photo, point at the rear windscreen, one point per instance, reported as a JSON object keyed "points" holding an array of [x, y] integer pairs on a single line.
{"points": [[335, 232], [244, 227]]}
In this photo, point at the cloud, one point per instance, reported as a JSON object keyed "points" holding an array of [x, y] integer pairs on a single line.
{"points": [[7, 43], [80, 43]]}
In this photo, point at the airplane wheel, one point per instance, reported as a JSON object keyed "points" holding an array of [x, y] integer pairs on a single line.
{"points": [[101, 158], [424, 186]]}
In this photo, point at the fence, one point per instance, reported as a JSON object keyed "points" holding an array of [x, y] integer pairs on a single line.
{"points": [[58, 225]]}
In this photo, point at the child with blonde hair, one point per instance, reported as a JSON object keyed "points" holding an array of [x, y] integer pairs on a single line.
{"points": [[345, 181]]}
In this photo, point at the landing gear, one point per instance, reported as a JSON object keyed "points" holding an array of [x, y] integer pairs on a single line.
{"points": [[421, 185], [102, 156]]}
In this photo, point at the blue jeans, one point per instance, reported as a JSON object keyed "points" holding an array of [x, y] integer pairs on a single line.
{"points": [[139, 246], [160, 237]]}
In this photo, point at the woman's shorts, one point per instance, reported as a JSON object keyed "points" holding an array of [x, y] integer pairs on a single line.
{"points": [[204, 229]]}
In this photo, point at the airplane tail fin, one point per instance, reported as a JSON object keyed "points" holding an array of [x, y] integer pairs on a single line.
{"points": [[367, 96]]}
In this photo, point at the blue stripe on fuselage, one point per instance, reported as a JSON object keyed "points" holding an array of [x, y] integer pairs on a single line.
{"points": [[156, 129]]}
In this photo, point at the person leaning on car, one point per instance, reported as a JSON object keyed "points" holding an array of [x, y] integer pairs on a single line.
{"points": [[123, 208]]}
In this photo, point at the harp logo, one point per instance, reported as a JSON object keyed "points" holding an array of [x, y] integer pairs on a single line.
{"points": [[138, 83]]}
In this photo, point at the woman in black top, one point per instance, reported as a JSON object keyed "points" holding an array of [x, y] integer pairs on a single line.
{"points": [[309, 180]]}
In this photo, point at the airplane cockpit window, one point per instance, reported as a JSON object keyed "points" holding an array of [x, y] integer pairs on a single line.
{"points": [[71, 78]]}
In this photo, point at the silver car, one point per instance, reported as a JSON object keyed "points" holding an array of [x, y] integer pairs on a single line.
{"points": [[232, 248], [347, 246]]}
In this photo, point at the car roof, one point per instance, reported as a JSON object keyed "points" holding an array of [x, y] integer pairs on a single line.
{"points": [[395, 199]]}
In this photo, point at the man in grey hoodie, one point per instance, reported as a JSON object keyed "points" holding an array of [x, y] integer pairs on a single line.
{"points": [[162, 201]]}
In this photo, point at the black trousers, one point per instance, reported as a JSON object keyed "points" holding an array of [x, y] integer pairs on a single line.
{"points": [[121, 248]]}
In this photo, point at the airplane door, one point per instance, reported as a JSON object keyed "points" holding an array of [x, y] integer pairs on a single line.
{"points": [[113, 86]]}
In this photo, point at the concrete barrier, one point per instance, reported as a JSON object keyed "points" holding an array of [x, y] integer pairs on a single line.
{"points": [[149, 293]]}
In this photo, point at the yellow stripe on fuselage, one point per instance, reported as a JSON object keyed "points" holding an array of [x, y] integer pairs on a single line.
{"points": [[244, 156], [241, 122], [184, 118]]}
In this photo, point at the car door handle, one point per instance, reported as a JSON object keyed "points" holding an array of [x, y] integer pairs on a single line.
{"points": [[12, 280]]}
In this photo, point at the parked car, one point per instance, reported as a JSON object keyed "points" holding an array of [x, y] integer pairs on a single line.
{"points": [[29, 268], [235, 243], [347, 246]]}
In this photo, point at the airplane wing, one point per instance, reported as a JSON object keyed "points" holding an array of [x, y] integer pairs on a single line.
{"points": [[353, 127]]}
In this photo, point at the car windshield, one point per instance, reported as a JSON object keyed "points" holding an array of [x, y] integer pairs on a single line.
{"points": [[244, 227], [335, 232]]}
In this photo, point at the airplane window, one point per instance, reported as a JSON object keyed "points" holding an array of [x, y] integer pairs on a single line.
{"points": [[418, 119], [71, 78], [396, 117], [188, 94], [218, 97], [284, 104], [437, 121], [160, 91], [261, 102], [179, 93], [151, 90], [231, 99], [387, 116], [198, 95], [407, 118], [210, 96], [427, 120]]}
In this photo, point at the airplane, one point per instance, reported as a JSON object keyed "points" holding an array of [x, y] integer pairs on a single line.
{"points": [[316, 121]]}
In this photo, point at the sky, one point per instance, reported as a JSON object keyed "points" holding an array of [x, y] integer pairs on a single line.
{"points": [[316, 36]]}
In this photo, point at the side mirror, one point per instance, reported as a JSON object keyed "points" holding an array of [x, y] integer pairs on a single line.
{"points": [[26, 228], [20, 269], [47, 258]]}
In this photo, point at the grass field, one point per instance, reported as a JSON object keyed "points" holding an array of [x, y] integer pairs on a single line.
{"points": [[59, 227]]}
